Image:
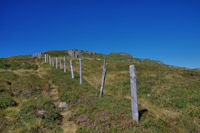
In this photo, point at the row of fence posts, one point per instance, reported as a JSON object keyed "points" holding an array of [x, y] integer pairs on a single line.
{"points": [[132, 70], [50, 60]]}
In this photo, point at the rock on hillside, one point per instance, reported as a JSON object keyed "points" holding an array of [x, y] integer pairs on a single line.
{"points": [[77, 53]]}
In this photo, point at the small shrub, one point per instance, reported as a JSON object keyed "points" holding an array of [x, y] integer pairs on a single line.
{"points": [[6, 100], [4, 66]]}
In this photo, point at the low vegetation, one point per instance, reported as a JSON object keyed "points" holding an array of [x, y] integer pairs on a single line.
{"points": [[168, 97], [13, 64]]}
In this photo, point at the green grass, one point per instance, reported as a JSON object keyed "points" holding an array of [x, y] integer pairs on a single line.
{"points": [[168, 97], [29, 110], [17, 63], [118, 56], [22, 94], [171, 101], [6, 100], [172, 92]]}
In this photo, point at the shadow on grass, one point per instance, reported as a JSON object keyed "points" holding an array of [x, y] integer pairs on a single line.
{"points": [[141, 112]]}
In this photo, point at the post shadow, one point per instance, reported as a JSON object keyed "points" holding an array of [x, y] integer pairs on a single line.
{"points": [[141, 112]]}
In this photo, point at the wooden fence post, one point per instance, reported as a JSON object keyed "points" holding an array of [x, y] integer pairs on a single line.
{"points": [[45, 58], [80, 71], [49, 60], [134, 104], [60, 63], [71, 66], [56, 62], [103, 77], [64, 64], [52, 61]]}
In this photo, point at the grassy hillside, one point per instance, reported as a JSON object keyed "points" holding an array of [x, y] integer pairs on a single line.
{"points": [[168, 97]]}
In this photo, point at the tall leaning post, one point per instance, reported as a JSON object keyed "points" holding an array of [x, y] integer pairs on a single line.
{"points": [[134, 103], [103, 77], [80, 71], [64, 64], [71, 66]]}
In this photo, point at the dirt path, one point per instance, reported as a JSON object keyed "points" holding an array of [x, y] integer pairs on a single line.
{"points": [[67, 126]]}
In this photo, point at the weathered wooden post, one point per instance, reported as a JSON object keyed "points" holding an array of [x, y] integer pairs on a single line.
{"points": [[134, 104], [56, 62], [60, 63], [52, 61], [64, 64], [80, 71], [45, 58], [49, 60], [71, 66], [103, 77]]}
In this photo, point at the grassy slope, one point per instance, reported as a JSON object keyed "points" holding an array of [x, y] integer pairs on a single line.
{"points": [[171, 95], [29, 90], [168, 97]]}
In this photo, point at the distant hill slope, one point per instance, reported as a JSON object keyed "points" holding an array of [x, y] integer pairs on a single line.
{"points": [[31, 90]]}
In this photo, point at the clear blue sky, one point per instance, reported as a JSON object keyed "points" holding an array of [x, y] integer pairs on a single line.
{"points": [[166, 30]]}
